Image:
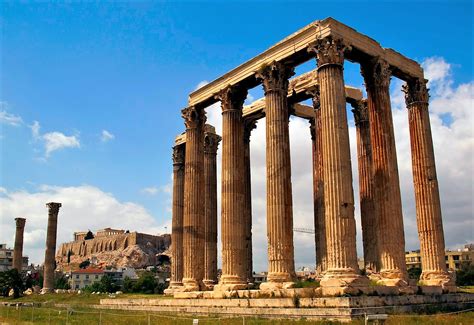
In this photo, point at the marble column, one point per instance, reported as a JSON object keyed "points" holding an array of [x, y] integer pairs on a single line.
{"points": [[49, 258], [342, 274], [249, 125], [18, 248], [366, 192], [177, 219], [281, 264], [234, 276], [211, 143], [428, 206], [386, 185], [193, 210], [318, 185]]}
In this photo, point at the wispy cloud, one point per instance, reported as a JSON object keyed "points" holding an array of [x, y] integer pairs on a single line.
{"points": [[8, 118], [53, 141], [152, 190], [106, 136]]}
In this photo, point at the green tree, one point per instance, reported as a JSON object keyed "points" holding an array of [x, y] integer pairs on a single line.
{"points": [[146, 283], [127, 285], [84, 264], [414, 273], [89, 235], [12, 279], [465, 275], [106, 284], [61, 282]]}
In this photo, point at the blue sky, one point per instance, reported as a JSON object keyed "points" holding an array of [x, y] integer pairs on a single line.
{"points": [[126, 68]]}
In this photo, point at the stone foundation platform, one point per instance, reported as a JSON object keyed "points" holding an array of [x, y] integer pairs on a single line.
{"points": [[334, 308]]}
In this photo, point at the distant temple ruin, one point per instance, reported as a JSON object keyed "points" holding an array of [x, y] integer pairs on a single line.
{"points": [[113, 247]]}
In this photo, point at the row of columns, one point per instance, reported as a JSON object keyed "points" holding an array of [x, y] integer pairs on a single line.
{"points": [[49, 260], [381, 210]]}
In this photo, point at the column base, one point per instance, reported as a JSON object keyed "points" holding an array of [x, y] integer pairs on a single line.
{"points": [[392, 278], [230, 283], [174, 287], [46, 291], [339, 282], [191, 285], [439, 278]]}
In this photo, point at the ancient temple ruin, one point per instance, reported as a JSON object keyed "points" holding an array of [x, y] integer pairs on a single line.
{"points": [[330, 43]]}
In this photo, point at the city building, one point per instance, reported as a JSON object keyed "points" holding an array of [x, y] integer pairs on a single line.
{"points": [[84, 277], [119, 274], [454, 258], [6, 259]]}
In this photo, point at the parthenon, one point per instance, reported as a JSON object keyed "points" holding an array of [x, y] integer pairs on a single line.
{"points": [[194, 231]]}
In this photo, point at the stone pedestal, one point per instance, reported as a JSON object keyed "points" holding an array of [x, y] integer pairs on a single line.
{"points": [[428, 207], [49, 257], [234, 270], [387, 199], [367, 209], [318, 186], [211, 142], [18, 248], [342, 274], [177, 220], [248, 127], [281, 269], [193, 215]]}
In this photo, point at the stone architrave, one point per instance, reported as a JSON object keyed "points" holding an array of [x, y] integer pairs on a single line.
{"points": [[281, 265], [18, 248], [249, 125], [428, 206], [49, 257], [211, 143], [342, 274], [193, 211], [386, 185], [366, 191], [176, 282], [318, 185], [234, 269]]}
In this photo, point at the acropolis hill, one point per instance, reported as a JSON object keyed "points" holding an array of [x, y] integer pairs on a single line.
{"points": [[112, 247]]}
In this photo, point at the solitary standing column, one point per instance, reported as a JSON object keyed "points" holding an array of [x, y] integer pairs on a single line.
{"points": [[18, 249], [177, 221], [367, 212], [281, 268], [318, 186], [234, 269], [193, 215], [211, 142], [428, 206], [248, 127], [342, 274], [49, 257], [387, 198]]}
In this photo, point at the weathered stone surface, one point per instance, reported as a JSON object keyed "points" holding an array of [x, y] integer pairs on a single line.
{"points": [[49, 260], [18, 248]]}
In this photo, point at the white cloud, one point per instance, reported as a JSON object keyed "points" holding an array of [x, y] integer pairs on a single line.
{"points": [[153, 190], [8, 118], [106, 136], [83, 207], [53, 141], [452, 127], [201, 84]]}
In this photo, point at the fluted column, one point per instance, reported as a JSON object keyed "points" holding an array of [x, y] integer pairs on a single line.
{"points": [[49, 257], [318, 186], [193, 212], [281, 264], [428, 206], [366, 192], [387, 198], [249, 125], [342, 274], [176, 282], [18, 248], [211, 143], [234, 269]]}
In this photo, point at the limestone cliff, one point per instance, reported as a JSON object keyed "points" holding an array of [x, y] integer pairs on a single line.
{"points": [[134, 249]]}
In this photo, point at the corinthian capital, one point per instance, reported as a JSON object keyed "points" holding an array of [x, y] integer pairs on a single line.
{"points": [[249, 125], [416, 91], [232, 97], [179, 154], [20, 222], [376, 73], [361, 113], [211, 142], [275, 77], [53, 207], [193, 117], [315, 96], [328, 50]]}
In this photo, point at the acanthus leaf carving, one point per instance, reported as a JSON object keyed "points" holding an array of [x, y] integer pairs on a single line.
{"points": [[416, 91], [275, 77], [329, 50], [193, 117]]}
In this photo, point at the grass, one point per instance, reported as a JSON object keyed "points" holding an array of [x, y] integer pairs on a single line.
{"points": [[467, 289], [307, 284]]}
